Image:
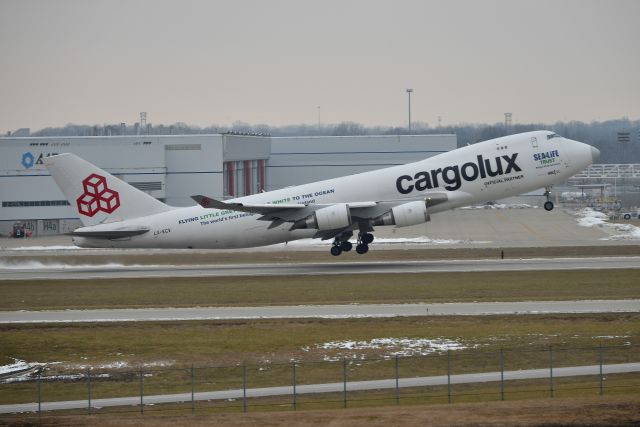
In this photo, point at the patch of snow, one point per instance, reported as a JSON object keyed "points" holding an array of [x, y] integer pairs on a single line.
{"points": [[630, 232], [587, 217], [18, 365], [37, 265], [387, 241], [611, 337], [391, 346], [45, 248], [501, 206], [122, 365], [18, 371]]}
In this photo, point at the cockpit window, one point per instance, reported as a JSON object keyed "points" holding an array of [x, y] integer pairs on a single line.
{"points": [[553, 135]]}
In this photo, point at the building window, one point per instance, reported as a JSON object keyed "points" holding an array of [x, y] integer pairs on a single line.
{"points": [[34, 203], [229, 179], [243, 177]]}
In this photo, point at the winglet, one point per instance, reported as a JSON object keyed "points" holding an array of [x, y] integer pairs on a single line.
{"points": [[209, 203]]}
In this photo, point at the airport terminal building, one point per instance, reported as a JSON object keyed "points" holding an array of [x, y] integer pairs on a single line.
{"points": [[174, 167]]}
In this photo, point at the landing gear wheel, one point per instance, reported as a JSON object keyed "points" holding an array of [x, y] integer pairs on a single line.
{"points": [[548, 205], [362, 248], [335, 250], [367, 238], [346, 246]]}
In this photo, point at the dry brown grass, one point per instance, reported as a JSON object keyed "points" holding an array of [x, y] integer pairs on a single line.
{"points": [[604, 411], [437, 287]]}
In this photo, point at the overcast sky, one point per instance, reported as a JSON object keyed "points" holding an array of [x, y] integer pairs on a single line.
{"points": [[274, 62]]}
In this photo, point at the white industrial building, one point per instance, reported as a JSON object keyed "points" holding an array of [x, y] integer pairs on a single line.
{"points": [[174, 167]]}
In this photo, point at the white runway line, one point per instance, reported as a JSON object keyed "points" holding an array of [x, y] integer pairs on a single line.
{"points": [[321, 311]]}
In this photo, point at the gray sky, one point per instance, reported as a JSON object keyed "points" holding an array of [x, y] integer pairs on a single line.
{"points": [[275, 62]]}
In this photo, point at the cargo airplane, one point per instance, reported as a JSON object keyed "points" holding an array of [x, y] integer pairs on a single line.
{"points": [[115, 214]]}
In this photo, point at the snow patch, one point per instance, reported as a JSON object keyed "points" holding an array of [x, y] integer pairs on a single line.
{"points": [[629, 232], [391, 346], [387, 241], [17, 366], [501, 206], [611, 337], [587, 217], [37, 265], [19, 371], [45, 248], [122, 365]]}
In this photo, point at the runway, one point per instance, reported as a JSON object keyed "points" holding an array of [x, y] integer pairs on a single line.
{"points": [[41, 271], [338, 387], [321, 311]]}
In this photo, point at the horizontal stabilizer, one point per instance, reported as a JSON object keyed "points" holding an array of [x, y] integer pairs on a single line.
{"points": [[110, 234]]}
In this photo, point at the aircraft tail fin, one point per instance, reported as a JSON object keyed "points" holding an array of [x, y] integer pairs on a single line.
{"points": [[97, 196]]}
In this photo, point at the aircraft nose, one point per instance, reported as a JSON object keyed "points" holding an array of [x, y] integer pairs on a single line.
{"points": [[595, 154]]}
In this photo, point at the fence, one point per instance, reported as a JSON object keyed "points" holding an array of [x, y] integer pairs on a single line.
{"points": [[449, 376]]}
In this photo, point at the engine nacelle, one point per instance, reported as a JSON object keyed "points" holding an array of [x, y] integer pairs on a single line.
{"points": [[411, 213], [330, 218]]}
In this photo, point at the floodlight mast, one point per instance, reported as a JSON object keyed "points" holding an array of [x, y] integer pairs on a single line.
{"points": [[409, 91]]}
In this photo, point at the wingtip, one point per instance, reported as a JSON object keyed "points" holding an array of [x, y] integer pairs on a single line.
{"points": [[203, 201]]}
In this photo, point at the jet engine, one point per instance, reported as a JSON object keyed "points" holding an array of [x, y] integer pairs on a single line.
{"points": [[330, 218], [411, 213]]}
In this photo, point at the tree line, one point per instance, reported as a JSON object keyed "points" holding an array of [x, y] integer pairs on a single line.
{"points": [[603, 135]]}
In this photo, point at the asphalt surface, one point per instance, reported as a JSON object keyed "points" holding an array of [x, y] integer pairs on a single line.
{"points": [[463, 228], [320, 311], [57, 271], [327, 387]]}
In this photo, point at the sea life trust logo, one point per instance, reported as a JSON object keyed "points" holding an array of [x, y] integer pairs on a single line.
{"points": [[97, 196]]}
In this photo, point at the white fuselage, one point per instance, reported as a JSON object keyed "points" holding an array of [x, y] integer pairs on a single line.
{"points": [[519, 163]]}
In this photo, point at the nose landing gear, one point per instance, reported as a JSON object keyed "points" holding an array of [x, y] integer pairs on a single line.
{"points": [[548, 205]]}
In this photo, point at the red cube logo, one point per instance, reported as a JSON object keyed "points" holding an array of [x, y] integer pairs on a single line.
{"points": [[94, 184], [109, 201], [97, 196], [88, 205]]}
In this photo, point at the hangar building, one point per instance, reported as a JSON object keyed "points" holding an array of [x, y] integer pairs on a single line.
{"points": [[174, 167]]}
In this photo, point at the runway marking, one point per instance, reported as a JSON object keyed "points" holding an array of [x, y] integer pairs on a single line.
{"points": [[529, 229], [320, 268], [341, 311]]}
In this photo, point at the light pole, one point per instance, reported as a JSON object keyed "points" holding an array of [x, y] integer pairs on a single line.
{"points": [[409, 93]]}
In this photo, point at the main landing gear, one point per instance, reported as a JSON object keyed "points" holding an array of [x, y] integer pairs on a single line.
{"points": [[344, 245], [548, 205]]}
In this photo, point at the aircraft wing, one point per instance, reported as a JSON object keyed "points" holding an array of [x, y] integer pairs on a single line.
{"points": [[278, 214], [269, 210], [264, 208]]}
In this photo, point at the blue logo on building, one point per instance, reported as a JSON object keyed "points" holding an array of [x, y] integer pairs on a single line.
{"points": [[27, 160]]}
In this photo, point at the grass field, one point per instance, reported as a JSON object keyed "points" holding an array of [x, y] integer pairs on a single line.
{"points": [[278, 341], [296, 290], [166, 350], [219, 349]]}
